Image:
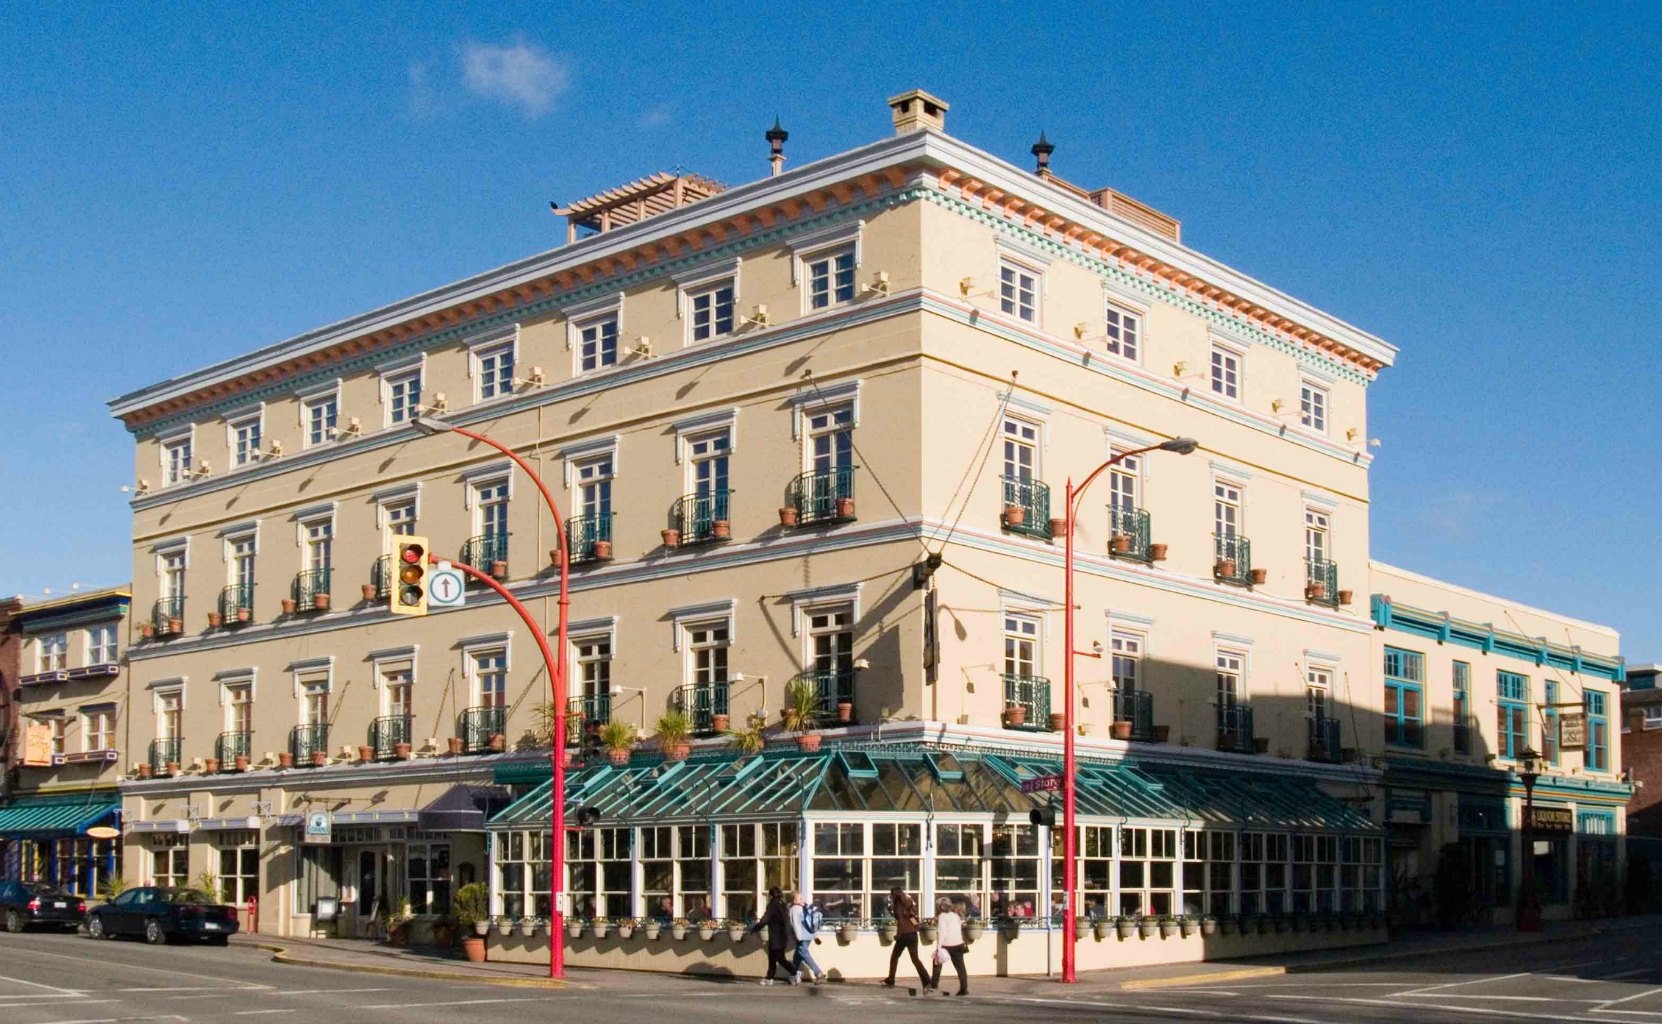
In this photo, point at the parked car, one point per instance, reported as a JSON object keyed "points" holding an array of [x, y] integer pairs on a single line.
{"points": [[163, 914], [26, 904]]}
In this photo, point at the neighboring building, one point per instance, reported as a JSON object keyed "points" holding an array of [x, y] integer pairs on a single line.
{"points": [[65, 759], [1642, 748], [11, 666], [763, 407]]}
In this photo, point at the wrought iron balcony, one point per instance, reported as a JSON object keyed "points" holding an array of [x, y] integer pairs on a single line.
{"points": [[1321, 582], [306, 740], [1128, 534], [1233, 563], [1031, 694], [236, 604], [486, 550], [386, 732], [1136, 707], [480, 724], [381, 577], [701, 702], [702, 518], [1324, 740], [232, 745], [1235, 728], [164, 752], [831, 686], [1027, 507], [592, 708], [589, 538], [311, 590], [823, 497], [168, 616]]}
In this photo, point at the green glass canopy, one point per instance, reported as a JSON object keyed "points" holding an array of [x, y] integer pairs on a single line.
{"points": [[55, 816]]}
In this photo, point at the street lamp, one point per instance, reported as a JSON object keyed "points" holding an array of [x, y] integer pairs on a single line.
{"points": [[1182, 446], [1529, 902], [557, 677]]}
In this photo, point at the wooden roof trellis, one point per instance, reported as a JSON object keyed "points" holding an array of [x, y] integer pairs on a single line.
{"points": [[634, 202]]}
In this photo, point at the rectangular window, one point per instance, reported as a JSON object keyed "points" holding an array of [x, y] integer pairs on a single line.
{"points": [[1018, 291], [170, 866], [1013, 870], [173, 576], [245, 441], [1597, 755], [1404, 697], [1226, 509], [400, 517], [239, 709], [594, 487], [320, 542], [525, 866], [707, 458], [755, 858], [1462, 707], [314, 707], [490, 678], [1226, 373], [170, 715], [597, 344], [712, 312], [1315, 537], [1312, 406], [594, 674], [896, 862], [1148, 871], [839, 868], [958, 867], [239, 866], [427, 867], [1021, 646], [830, 447], [707, 646], [52, 653], [98, 728], [1549, 724], [319, 875], [176, 456], [102, 648], [397, 697], [1230, 695], [490, 509], [1125, 485], [403, 396], [1126, 667], [1653, 716], [830, 278], [1021, 450], [1125, 332], [1512, 714], [58, 722], [1318, 689], [242, 571], [494, 368], [320, 416]]}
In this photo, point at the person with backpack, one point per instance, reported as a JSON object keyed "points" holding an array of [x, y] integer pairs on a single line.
{"points": [[949, 944], [805, 923], [777, 920], [905, 912]]}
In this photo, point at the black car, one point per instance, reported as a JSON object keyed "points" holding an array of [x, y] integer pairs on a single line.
{"points": [[25, 904], [163, 915]]}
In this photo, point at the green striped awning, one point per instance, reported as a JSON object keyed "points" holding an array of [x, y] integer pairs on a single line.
{"points": [[34, 817]]}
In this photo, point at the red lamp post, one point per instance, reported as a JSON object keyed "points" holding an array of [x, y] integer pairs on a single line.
{"points": [[1182, 446], [556, 663]]}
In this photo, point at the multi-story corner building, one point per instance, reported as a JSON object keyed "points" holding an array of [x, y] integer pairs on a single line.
{"points": [[64, 758], [11, 667], [813, 434]]}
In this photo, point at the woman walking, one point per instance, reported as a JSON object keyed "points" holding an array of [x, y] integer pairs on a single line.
{"points": [[777, 920], [905, 912], [949, 941], [804, 923]]}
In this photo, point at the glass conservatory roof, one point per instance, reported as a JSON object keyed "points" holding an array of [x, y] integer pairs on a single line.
{"points": [[843, 780]]}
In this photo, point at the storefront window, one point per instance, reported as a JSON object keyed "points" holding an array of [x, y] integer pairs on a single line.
{"points": [[1014, 864], [524, 863], [318, 875], [1315, 873], [839, 868], [1148, 870], [427, 869], [1551, 877], [755, 858], [958, 866], [239, 865], [170, 860], [675, 871], [897, 860], [1208, 872]]}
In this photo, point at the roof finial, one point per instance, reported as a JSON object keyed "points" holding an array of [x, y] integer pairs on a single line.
{"points": [[1041, 151], [776, 137]]}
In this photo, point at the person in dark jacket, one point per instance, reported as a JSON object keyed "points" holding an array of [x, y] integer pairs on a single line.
{"points": [[905, 912], [777, 920]]}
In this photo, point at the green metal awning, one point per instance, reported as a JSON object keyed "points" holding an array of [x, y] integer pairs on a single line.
{"points": [[56, 816], [916, 780]]}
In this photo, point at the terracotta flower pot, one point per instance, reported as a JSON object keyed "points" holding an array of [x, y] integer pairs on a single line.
{"points": [[320, 602], [499, 569], [1346, 596], [619, 758], [678, 752], [1162, 733], [210, 766], [147, 631], [603, 550], [1058, 528], [1120, 730], [244, 614], [170, 769], [455, 743], [144, 770], [1015, 714], [498, 743], [721, 529], [1260, 577], [241, 762], [1014, 515], [369, 591], [401, 751], [787, 515], [1316, 591], [672, 538], [289, 606], [845, 711], [845, 508], [285, 760], [1120, 543], [554, 557], [1157, 552], [319, 759], [175, 625], [366, 752], [213, 619], [808, 742], [1225, 567], [474, 948], [1058, 721], [720, 722]]}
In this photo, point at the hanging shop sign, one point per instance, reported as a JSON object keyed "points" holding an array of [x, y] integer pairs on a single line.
{"points": [[317, 828], [1572, 732], [1557, 820]]}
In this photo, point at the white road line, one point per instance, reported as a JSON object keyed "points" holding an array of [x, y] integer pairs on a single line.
{"points": [[36, 984], [1457, 984], [255, 1013], [46, 995], [1475, 1010], [1633, 1013], [185, 988], [324, 991], [204, 995], [118, 1020], [122, 965], [1626, 999], [82, 1002], [459, 1002], [1183, 1010]]}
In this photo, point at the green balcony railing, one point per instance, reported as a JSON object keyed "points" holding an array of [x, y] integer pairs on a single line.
{"points": [[1132, 525], [386, 732], [306, 740], [1235, 728], [702, 518], [1032, 695], [1028, 501], [592, 708], [1321, 582], [589, 538], [309, 586], [232, 745], [236, 604], [831, 686], [480, 724], [381, 577], [821, 497], [1325, 740], [1233, 564], [1136, 707], [483, 551], [168, 615], [164, 752], [701, 702]]}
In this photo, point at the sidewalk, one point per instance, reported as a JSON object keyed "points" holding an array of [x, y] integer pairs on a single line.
{"points": [[374, 958]]}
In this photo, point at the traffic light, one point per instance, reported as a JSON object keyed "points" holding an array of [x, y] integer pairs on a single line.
{"points": [[408, 593]]}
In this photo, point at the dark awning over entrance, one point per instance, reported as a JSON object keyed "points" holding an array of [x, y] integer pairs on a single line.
{"points": [[51, 817], [462, 809]]}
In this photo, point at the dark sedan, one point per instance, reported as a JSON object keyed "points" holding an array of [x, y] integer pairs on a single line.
{"points": [[163, 915], [27, 904]]}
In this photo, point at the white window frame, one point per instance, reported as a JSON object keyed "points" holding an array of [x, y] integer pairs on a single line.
{"points": [[706, 280], [1212, 381], [384, 663], [111, 712], [1319, 520], [584, 452], [312, 400], [1315, 405], [234, 424], [805, 403], [159, 693], [231, 685], [94, 649], [813, 245], [484, 345], [845, 595], [1239, 502], [385, 499], [707, 423], [828, 255], [184, 441], [50, 647], [597, 322], [1019, 267], [697, 614], [473, 648], [1127, 314], [391, 379]]}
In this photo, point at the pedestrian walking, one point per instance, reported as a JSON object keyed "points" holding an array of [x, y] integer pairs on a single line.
{"points": [[805, 922], [949, 944], [905, 912], [777, 920]]}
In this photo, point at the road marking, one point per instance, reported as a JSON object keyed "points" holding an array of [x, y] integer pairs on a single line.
{"points": [[325, 991], [123, 965], [1457, 984], [80, 1002], [459, 1002], [45, 995], [183, 988], [1097, 1004], [36, 984], [119, 1020], [1476, 1010], [255, 1013], [206, 995], [1625, 999]]}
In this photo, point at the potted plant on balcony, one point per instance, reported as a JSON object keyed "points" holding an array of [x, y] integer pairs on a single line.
{"points": [[320, 758], [498, 742], [1015, 715], [241, 762], [672, 537], [1120, 730], [1157, 552], [845, 508], [454, 745], [285, 759], [214, 620], [721, 723], [1058, 528], [1225, 568], [320, 602], [749, 740], [1162, 733], [721, 529], [210, 766], [1014, 515], [499, 568], [146, 630], [473, 910], [1315, 590], [369, 591], [674, 734], [289, 606], [801, 713], [619, 740], [1119, 543], [603, 550], [1346, 596], [1058, 721], [845, 711], [366, 752], [401, 751], [1260, 577], [787, 515]]}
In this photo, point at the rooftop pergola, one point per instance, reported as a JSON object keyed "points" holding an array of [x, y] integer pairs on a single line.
{"points": [[636, 201]]}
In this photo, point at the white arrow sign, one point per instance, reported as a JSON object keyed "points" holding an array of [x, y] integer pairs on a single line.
{"points": [[445, 587]]}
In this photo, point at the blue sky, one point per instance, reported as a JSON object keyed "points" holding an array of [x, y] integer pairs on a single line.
{"points": [[1476, 185]]}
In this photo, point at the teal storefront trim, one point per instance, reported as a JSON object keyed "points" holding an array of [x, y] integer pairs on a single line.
{"points": [[1444, 629]]}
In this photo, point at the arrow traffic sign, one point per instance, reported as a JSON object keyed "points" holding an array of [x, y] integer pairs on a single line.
{"points": [[445, 587]]}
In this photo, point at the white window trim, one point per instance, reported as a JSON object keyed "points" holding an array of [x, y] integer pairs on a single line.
{"points": [[697, 614], [391, 657], [1021, 260], [1327, 661], [1032, 418], [485, 343], [1129, 622], [230, 535], [574, 455], [809, 244], [1239, 351], [1307, 380], [310, 397], [1117, 441], [40, 649], [706, 423], [175, 546], [838, 595], [479, 477], [308, 669], [702, 278], [85, 712], [393, 495], [235, 419], [589, 629], [396, 373], [235, 677], [166, 442], [1237, 646], [163, 687], [485, 643], [1126, 309], [846, 393], [310, 516], [1320, 502]]}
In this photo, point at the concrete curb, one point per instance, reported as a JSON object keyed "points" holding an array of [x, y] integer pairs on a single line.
{"points": [[280, 954]]}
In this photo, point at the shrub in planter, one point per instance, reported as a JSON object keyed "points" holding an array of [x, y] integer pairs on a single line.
{"points": [[847, 931], [1102, 926], [619, 740], [366, 752], [735, 931], [574, 928], [401, 751], [973, 930], [674, 735], [1011, 927], [1124, 926], [652, 927], [678, 929], [472, 907], [928, 931], [802, 709], [1208, 926]]}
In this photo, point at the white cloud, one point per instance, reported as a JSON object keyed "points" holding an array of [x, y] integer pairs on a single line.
{"points": [[657, 117], [518, 74]]}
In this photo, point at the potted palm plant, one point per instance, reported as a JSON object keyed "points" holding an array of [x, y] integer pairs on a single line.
{"points": [[748, 740], [619, 740], [674, 734], [802, 712], [472, 905]]}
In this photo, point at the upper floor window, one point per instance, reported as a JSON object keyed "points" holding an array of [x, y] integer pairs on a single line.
{"points": [[1462, 707], [321, 415], [1404, 697], [173, 575], [101, 645], [320, 541], [98, 728], [239, 708], [1512, 714], [245, 441], [1315, 536], [831, 644], [1230, 691], [707, 646], [176, 459], [594, 486], [830, 446], [1021, 449], [494, 368], [1018, 291], [1124, 480], [593, 657], [1226, 373], [712, 311], [400, 517], [491, 509], [242, 550], [314, 705], [170, 712], [1125, 332], [597, 343], [1597, 755], [58, 722], [1021, 645], [403, 396], [1318, 686], [52, 653], [1126, 667], [1312, 406], [707, 460], [830, 277], [490, 677], [1227, 505], [396, 692]]}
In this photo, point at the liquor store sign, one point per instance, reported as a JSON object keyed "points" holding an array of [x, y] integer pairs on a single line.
{"points": [[1552, 820]]}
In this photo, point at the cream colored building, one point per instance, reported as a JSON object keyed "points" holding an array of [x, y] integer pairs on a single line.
{"points": [[814, 381]]}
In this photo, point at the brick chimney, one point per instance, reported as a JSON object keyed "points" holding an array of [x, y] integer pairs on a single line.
{"points": [[917, 110]]}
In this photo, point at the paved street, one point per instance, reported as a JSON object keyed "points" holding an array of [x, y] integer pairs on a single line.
{"points": [[60, 979]]}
